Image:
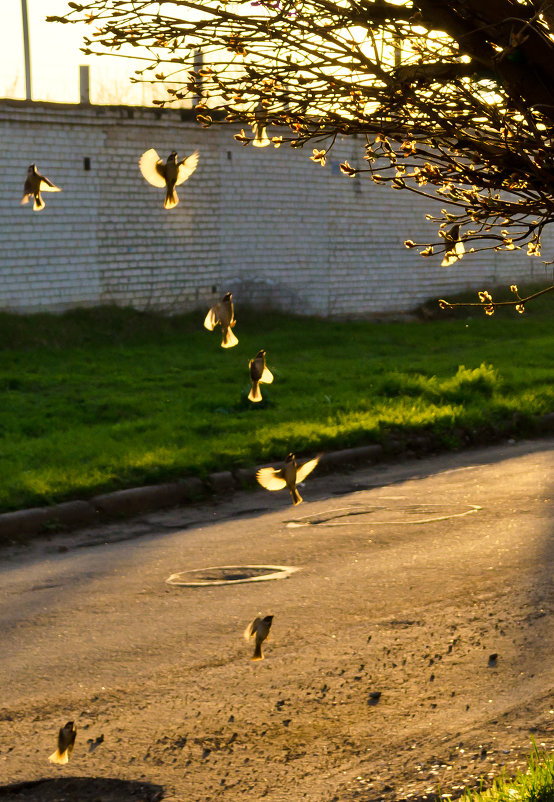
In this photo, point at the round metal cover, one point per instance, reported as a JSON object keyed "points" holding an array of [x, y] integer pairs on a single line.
{"points": [[229, 575]]}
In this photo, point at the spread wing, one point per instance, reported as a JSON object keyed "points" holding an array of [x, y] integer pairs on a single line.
{"points": [[211, 320], [250, 630], [152, 168], [306, 468], [271, 479], [267, 376], [187, 168], [452, 256], [47, 186]]}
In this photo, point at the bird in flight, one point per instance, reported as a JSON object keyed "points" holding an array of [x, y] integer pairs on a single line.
{"points": [[35, 183], [288, 476], [259, 628], [259, 373], [168, 175], [224, 314], [66, 741]]}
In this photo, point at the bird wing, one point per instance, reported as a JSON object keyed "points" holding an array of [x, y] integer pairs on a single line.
{"points": [[211, 320], [271, 479], [267, 376], [251, 628], [306, 468], [152, 168], [187, 168], [47, 186]]}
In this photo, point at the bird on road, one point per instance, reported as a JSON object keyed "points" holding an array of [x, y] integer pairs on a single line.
{"points": [[224, 314], [259, 373], [288, 476], [66, 741], [259, 628], [168, 175], [35, 183]]}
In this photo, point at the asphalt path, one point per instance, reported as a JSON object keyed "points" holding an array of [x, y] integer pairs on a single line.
{"points": [[378, 679]]}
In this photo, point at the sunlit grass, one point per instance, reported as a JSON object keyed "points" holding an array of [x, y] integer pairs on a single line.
{"points": [[534, 785], [95, 400]]}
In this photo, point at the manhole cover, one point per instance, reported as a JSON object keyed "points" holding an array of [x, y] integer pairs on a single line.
{"points": [[229, 575], [385, 513]]}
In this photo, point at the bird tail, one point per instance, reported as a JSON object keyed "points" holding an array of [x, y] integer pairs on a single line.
{"points": [[38, 204], [258, 655], [296, 497], [59, 757], [171, 199], [229, 339], [255, 394]]}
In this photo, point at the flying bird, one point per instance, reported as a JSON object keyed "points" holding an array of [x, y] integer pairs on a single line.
{"points": [[66, 741], [259, 628], [168, 175], [455, 248], [259, 373], [287, 476], [224, 314], [35, 183]]}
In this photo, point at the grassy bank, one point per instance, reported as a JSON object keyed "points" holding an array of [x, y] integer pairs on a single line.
{"points": [[534, 785], [100, 399]]}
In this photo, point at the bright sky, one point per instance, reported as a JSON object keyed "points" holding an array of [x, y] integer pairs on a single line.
{"points": [[55, 59]]}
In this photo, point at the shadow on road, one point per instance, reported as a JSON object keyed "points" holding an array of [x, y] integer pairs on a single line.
{"points": [[84, 789]]}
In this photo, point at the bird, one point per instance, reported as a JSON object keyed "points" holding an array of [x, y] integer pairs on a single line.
{"points": [[259, 372], [168, 175], [35, 183], [260, 629], [455, 248], [66, 740], [259, 129], [224, 314], [287, 476]]}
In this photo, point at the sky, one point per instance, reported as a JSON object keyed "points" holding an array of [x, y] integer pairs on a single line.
{"points": [[55, 59]]}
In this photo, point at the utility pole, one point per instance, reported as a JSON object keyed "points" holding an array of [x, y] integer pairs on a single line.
{"points": [[26, 49]]}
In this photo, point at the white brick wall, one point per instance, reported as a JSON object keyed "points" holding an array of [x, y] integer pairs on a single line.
{"points": [[270, 225]]}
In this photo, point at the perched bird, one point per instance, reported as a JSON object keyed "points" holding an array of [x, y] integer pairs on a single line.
{"points": [[455, 248], [66, 740], [168, 175], [260, 629], [258, 373], [224, 314], [35, 183], [287, 476], [259, 129]]}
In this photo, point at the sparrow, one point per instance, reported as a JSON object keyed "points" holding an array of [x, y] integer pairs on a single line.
{"points": [[287, 476], [224, 314], [168, 175], [35, 183], [454, 246], [66, 740], [259, 129], [258, 373], [260, 628]]}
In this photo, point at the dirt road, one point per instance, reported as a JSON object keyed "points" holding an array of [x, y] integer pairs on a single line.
{"points": [[378, 681]]}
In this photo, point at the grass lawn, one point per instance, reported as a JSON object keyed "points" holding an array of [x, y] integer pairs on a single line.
{"points": [[105, 398]]}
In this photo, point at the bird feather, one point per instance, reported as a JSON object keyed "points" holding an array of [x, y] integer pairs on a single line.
{"points": [[211, 319], [306, 468], [271, 479], [186, 168], [149, 165], [267, 376]]}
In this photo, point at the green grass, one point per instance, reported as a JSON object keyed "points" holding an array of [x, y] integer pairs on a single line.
{"points": [[99, 399], [534, 785]]}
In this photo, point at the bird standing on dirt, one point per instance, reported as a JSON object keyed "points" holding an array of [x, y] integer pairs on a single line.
{"points": [[258, 373], [287, 476], [168, 175], [66, 741], [35, 183], [260, 629], [224, 314]]}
